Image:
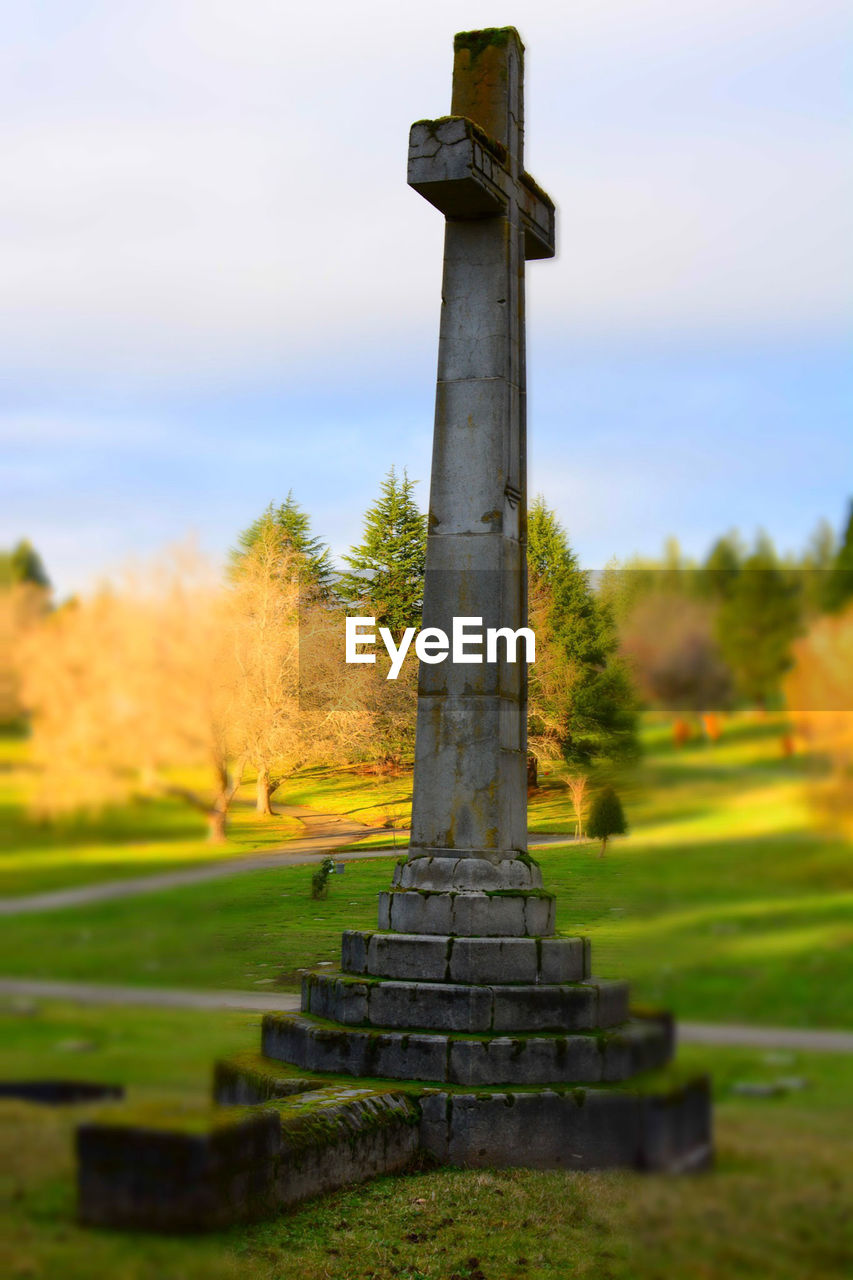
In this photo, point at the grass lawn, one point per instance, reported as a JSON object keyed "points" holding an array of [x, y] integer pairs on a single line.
{"points": [[776, 1206], [724, 903], [139, 839]]}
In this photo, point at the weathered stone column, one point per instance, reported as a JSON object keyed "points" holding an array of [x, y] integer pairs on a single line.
{"points": [[469, 816]]}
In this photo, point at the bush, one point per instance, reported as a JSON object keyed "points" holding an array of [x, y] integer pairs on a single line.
{"points": [[320, 878], [606, 818]]}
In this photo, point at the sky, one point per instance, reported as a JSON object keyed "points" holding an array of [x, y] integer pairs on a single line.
{"points": [[218, 288]]}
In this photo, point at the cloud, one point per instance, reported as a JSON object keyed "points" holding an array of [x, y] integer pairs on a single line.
{"points": [[212, 190]]}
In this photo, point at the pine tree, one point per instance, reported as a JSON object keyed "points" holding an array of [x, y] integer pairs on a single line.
{"points": [[582, 703], [606, 818], [757, 623], [839, 582], [386, 578], [292, 526], [720, 570]]}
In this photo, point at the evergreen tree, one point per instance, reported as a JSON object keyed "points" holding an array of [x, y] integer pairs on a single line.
{"points": [[757, 623], [606, 818], [581, 699], [722, 566], [839, 582], [292, 526], [386, 578], [23, 564]]}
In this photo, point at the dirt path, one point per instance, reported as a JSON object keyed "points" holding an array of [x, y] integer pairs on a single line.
{"points": [[285, 1002], [324, 833]]}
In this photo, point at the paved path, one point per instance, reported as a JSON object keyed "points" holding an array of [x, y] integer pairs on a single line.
{"points": [[325, 832], [284, 1002], [149, 997], [765, 1037]]}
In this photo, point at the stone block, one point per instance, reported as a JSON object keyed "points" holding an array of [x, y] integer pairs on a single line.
{"points": [[414, 912], [354, 944], [493, 960], [408, 956], [160, 1173], [562, 960], [248, 1079], [207, 1171], [448, 872], [525, 1060], [445, 958], [539, 915], [641, 1045], [583, 1129], [338, 999], [504, 913], [464, 1007], [330, 1144], [434, 1127], [677, 1128], [437, 1006], [612, 1002], [545, 1008], [394, 1055]]}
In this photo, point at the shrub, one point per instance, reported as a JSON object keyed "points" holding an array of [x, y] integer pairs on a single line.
{"points": [[606, 818]]}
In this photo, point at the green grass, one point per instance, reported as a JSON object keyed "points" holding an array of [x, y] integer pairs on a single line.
{"points": [[140, 839], [724, 903], [776, 1205]]}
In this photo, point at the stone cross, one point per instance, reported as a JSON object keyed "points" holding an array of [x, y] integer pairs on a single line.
{"points": [[469, 815]]}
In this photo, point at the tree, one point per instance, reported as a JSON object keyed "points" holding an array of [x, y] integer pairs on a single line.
{"points": [[670, 642], [578, 785], [581, 702], [263, 605], [606, 818], [290, 528], [757, 622], [23, 608], [819, 694], [722, 567], [387, 567], [131, 687], [839, 582], [23, 564]]}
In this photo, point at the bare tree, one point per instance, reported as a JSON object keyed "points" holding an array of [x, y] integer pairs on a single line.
{"points": [[578, 785]]}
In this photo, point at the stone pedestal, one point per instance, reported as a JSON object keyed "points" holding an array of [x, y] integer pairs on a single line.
{"points": [[518, 1055]]}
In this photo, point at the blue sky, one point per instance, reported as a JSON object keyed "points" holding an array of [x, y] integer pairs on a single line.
{"points": [[217, 286]]}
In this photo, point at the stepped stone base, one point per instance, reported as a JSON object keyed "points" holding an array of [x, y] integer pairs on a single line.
{"points": [[584, 1129], [490, 913], [458, 1006], [486, 1042], [445, 958], [315, 1045]]}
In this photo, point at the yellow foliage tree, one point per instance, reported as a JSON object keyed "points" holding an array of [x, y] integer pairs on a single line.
{"points": [[819, 692], [174, 677]]}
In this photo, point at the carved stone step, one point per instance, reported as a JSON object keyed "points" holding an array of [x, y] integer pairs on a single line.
{"points": [[441, 1006], [148, 1167], [508, 913], [661, 1121], [428, 957], [314, 1045]]}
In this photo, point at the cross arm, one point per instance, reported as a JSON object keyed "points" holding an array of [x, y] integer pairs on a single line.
{"points": [[463, 172]]}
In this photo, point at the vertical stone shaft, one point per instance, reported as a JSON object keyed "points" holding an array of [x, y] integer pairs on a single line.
{"points": [[470, 789]]}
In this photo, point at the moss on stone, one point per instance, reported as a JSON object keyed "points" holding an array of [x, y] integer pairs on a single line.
{"points": [[476, 42]]}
